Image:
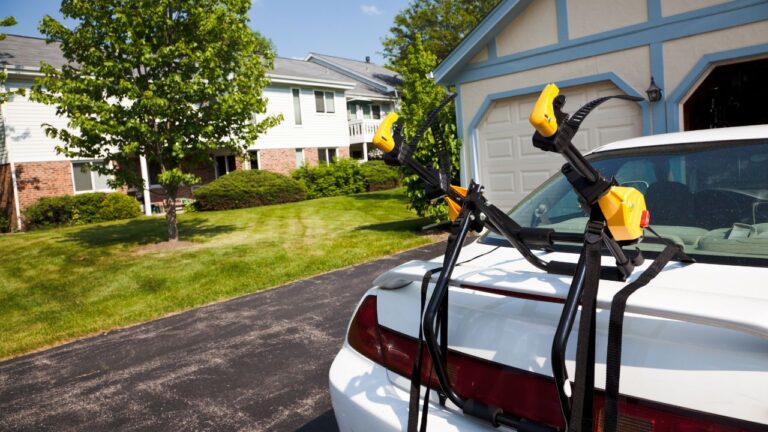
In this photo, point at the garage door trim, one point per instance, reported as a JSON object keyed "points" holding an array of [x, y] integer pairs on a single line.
{"points": [[473, 153]]}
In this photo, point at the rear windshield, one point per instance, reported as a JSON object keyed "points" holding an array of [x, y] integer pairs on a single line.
{"points": [[712, 198]]}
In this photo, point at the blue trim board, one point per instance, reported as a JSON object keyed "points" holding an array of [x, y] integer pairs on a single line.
{"points": [[658, 109], [463, 175], [659, 30], [697, 72], [480, 36], [654, 10], [491, 98], [492, 49], [561, 6]]}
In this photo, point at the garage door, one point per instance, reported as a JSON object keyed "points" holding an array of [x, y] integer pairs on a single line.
{"points": [[511, 167]]}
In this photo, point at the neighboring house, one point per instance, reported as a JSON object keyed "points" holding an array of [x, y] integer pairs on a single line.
{"points": [[709, 57], [374, 95], [312, 97]]}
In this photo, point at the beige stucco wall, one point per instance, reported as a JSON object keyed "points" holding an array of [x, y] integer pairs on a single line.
{"points": [[633, 66], [534, 28], [681, 55], [674, 7], [480, 57], [596, 16]]}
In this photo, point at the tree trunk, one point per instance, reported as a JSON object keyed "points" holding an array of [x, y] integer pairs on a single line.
{"points": [[170, 216]]}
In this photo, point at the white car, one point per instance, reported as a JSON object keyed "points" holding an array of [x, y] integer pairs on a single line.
{"points": [[695, 339]]}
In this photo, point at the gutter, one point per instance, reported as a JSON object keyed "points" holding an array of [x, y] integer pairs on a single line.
{"points": [[306, 81]]}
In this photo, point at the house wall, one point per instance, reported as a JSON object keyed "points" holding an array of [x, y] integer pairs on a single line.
{"points": [[35, 180], [676, 41], [316, 130], [24, 135]]}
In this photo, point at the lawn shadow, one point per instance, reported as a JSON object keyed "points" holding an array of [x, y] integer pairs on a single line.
{"points": [[412, 225], [379, 196], [144, 231]]}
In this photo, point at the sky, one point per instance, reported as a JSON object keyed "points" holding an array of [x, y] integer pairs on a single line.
{"points": [[344, 28]]}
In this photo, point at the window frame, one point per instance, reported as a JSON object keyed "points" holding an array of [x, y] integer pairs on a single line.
{"points": [[296, 102], [226, 164], [325, 94], [91, 173], [251, 154], [303, 157]]}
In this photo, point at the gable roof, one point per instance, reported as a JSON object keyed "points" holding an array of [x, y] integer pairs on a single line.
{"points": [[301, 72], [26, 52], [375, 80], [478, 38]]}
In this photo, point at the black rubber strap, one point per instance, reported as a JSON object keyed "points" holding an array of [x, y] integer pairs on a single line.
{"points": [[413, 402], [615, 329], [584, 379]]}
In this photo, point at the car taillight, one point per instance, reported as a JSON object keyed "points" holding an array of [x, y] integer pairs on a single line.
{"points": [[518, 392], [364, 335]]}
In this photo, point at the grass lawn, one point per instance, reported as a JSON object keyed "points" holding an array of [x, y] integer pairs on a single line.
{"points": [[66, 283]]}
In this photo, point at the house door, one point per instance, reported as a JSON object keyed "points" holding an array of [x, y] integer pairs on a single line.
{"points": [[731, 95]]}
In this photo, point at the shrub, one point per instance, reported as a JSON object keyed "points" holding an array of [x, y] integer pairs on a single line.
{"points": [[379, 176], [343, 177], [5, 224], [118, 206], [80, 209], [250, 188]]}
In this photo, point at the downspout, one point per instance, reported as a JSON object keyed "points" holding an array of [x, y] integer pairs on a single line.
{"points": [[145, 185], [15, 193]]}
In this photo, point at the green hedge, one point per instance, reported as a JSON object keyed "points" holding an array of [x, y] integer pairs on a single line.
{"points": [[343, 177], [81, 209], [379, 176], [252, 188]]}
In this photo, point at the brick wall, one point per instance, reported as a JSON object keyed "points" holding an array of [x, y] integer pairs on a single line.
{"points": [[35, 180], [281, 161], [342, 152], [311, 158]]}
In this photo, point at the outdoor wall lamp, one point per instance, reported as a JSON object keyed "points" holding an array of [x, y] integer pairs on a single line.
{"points": [[653, 92]]}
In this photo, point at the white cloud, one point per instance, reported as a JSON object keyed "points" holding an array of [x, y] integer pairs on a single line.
{"points": [[370, 10]]}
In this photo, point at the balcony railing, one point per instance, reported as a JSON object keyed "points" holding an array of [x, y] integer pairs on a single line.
{"points": [[362, 130]]}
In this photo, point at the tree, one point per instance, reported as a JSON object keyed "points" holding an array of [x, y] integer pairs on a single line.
{"points": [[170, 80], [422, 36], [442, 24], [5, 22], [419, 95]]}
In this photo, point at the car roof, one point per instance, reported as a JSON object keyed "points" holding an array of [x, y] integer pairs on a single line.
{"points": [[706, 135]]}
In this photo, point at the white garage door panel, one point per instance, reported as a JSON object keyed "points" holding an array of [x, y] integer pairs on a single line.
{"points": [[510, 167]]}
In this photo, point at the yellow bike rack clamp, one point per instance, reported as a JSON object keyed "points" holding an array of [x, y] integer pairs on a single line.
{"points": [[383, 139], [543, 114]]}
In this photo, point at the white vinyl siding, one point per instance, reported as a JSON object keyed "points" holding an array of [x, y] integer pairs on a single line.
{"points": [[317, 130], [24, 135]]}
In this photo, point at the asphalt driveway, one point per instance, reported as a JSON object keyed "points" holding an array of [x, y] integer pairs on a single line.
{"points": [[258, 362]]}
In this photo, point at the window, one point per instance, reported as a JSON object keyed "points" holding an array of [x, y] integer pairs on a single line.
{"points": [[376, 111], [154, 173], [296, 106], [253, 156], [299, 157], [225, 165], [86, 180], [352, 108], [326, 155], [324, 102], [366, 111]]}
